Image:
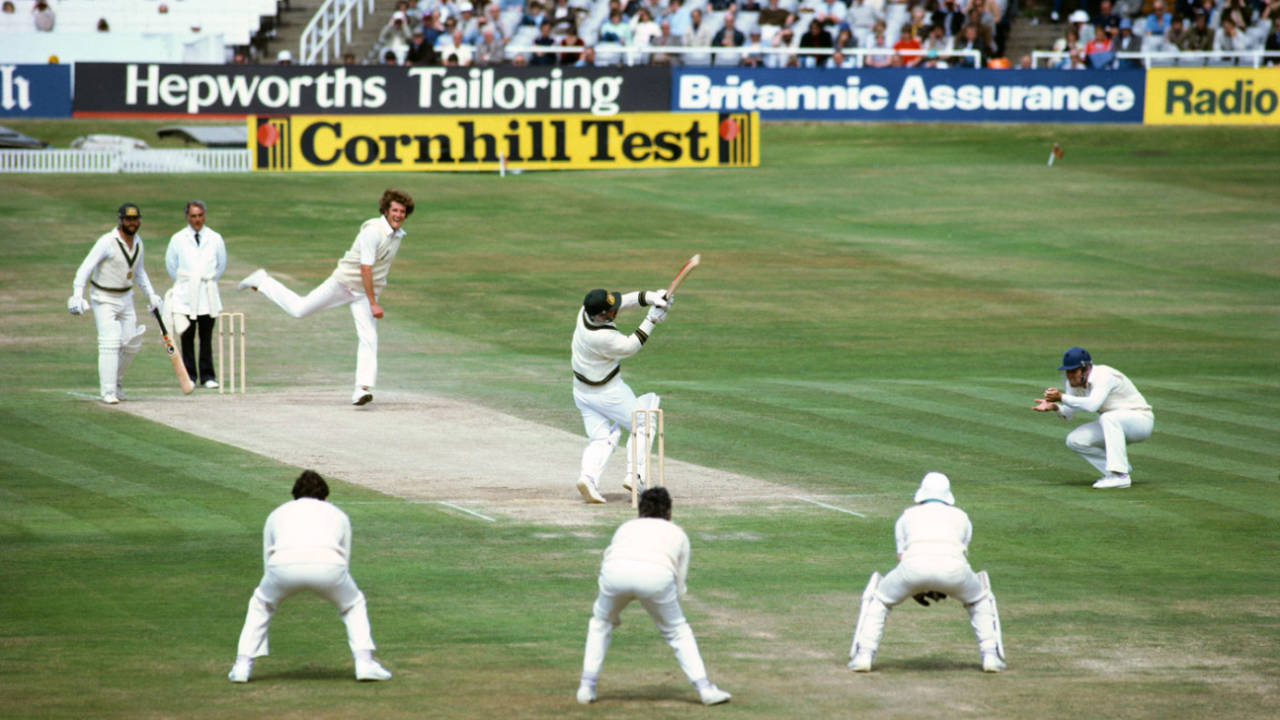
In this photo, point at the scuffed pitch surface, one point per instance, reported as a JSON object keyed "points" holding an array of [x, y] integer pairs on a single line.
{"points": [[424, 448]]}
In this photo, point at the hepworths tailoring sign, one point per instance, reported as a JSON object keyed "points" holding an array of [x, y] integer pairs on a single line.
{"points": [[955, 95], [238, 90], [36, 91], [398, 143]]}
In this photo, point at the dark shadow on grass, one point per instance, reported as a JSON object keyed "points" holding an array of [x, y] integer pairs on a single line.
{"points": [[651, 693], [931, 664], [314, 674]]}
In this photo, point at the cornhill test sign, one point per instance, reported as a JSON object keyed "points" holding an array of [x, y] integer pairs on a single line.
{"points": [[397, 143]]}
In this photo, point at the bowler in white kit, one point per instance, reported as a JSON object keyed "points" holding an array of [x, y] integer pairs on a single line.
{"points": [[647, 561], [306, 546], [1123, 415], [602, 396], [933, 546], [358, 281]]}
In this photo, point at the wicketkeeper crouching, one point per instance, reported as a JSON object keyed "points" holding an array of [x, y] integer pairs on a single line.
{"points": [[933, 544]]}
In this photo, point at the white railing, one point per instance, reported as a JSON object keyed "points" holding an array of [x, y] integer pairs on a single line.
{"points": [[610, 54], [329, 28], [1189, 58], [196, 160]]}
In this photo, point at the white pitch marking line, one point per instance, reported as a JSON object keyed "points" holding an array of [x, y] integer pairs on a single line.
{"points": [[829, 507], [83, 395], [465, 510]]}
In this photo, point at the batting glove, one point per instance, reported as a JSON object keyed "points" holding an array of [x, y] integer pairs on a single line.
{"points": [[657, 315], [656, 298], [155, 301]]}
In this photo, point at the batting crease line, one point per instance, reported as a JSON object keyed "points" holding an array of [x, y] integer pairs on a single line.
{"points": [[829, 507], [83, 395], [465, 510]]}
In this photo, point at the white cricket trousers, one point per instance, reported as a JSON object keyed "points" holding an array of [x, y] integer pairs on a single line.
{"points": [[654, 587], [1103, 443], [119, 336], [606, 409], [918, 573], [329, 581], [328, 294]]}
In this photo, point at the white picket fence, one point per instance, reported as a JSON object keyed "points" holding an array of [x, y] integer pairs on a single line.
{"points": [[196, 160]]}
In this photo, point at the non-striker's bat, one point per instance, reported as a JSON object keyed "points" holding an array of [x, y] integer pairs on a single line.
{"points": [[184, 380], [684, 273]]}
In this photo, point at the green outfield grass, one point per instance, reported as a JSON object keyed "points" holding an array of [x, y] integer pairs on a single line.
{"points": [[875, 302]]}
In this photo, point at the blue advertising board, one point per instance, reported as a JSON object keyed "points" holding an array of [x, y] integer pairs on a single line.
{"points": [[896, 94], [38, 91]]}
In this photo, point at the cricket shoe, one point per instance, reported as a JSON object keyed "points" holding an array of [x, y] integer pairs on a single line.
{"points": [[361, 396], [1113, 480], [713, 695], [371, 670], [110, 399], [120, 394], [240, 672], [633, 481], [586, 694], [861, 661], [211, 384], [589, 492], [992, 663], [253, 281]]}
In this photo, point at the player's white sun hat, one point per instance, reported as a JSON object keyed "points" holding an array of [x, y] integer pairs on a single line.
{"points": [[935, 486]]}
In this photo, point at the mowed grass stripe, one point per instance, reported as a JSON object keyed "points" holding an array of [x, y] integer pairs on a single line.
{"points": [[162, 507], [26, 518]]}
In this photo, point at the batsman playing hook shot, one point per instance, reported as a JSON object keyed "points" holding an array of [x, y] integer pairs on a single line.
{"points": [[603, 397]]}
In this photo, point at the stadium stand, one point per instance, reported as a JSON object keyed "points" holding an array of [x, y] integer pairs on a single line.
{"points": [[169, 31]]}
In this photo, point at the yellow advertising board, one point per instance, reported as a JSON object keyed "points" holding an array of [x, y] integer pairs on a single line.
{"points": [[399, 143], [1213, 96]]}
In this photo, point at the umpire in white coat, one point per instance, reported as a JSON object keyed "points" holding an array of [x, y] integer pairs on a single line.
{"points": [[648, 561], [196, 259], [605, 400], [306, 545], [933, 546], [114, 264]]}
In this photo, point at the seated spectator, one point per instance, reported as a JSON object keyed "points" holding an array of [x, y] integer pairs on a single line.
{"points": [[643, 28], [729, 36], [700, 33], [1099, 51], [1106, 17], [544, 39], [239, 58], [395, 35], [492, 18], [949, 17], [588, 58], [1157, 22], [1173, 36], [879, 41], [43, 16], [862, 18], [533, 15], [389, 58], [831, 13], [432, 27], [838, 61], [775, 15], [519, 60], [561, 17], [785, 38], [906, 41], [1068, 42], [971, 39], [665, 38], [571, 39], [104, 26], [420, 51], [412, 15], [489, 51], [1239, 12], [845, 41], [1026, 63], [1080, 21], [676, 16], [1074, 61], [1229, 39], [752, 55], [1273, 41], [284, 57], [936, 47], [444, 40], [1127, 42], [917, 23], [615, 29], [817, 38], [1197, 38], [748, 6], [468, 23], [349, 59]]}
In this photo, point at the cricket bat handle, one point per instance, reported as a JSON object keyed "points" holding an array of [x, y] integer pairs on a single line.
{"points": [[184, 380]]}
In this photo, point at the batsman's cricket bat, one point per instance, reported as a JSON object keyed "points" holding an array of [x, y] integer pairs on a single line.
{"points": [[684, 273], [184, 380]]}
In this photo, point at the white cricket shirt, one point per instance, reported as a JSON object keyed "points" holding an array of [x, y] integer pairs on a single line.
{"points": [[306, 530], [653, 541], [933, 528]]}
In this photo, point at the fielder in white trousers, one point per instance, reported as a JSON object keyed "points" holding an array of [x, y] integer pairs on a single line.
{"points": [[648, 562], [306, 546], [933, 541], [1123, 415]]}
